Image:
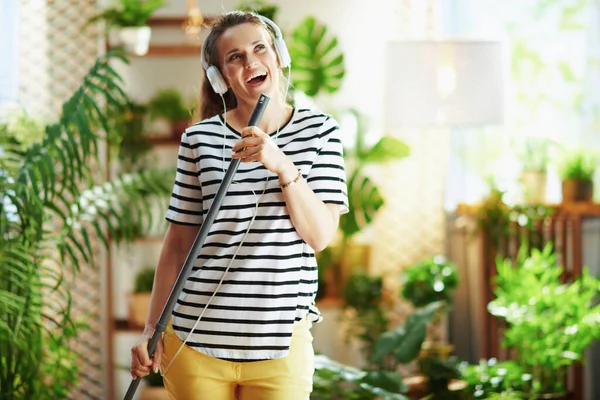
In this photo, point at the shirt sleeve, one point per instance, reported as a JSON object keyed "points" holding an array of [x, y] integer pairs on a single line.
{"points": [[185, 206], [327, 177]]}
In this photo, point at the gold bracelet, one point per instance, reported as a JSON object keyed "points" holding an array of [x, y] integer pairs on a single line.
{"points": [[296, 179]]}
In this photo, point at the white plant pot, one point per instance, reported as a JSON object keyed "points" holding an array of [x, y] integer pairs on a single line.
{"points": [[135, 39], [534, 187]]}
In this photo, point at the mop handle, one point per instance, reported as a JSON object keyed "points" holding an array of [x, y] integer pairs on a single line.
{"points": [[186, 270]]}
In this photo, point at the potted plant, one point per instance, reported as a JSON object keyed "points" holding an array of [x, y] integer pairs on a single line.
{"points": [[130, 19], [364, 308], [168, 114], [535, 157], [54, 217], [432, 280], [139, 300], [576, 173], [260, 7], [550, 323]]}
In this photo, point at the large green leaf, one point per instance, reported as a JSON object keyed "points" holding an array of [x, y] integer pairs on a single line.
{"points": [[317, 61], [388, 148], [364, 200], [404, 342]]}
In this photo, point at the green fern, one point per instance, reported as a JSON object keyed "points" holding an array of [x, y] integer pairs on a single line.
{"points": [[51, 211]]}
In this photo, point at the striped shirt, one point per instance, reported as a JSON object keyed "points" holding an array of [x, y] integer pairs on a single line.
{"points": [[272, 281]]}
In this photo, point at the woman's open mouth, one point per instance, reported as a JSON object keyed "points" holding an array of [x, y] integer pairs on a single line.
{"points": [[257, 79]]}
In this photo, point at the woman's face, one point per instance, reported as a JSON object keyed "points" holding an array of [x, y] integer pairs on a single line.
{"points": [[248, 62]]}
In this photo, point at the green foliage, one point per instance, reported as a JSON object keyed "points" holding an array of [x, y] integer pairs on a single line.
{"points": [[492, 378], [144, 281], [402, 344], [363, 300], [317, 59], [434, 279], [578, 164], [127, 136], [260, 7], [440, 372], [129, 13], [50, 214], [550, 323], [168, 103], [364, 196], [335, 381], [363, 292]]}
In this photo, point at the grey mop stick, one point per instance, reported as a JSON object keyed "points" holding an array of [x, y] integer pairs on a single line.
{"points": [[186, 270]]}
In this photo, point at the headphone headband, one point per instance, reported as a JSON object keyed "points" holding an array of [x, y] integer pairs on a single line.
{"points": [[214, 75]]}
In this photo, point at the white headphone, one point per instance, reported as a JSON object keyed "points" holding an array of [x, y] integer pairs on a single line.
{"points": [[214, 75]]}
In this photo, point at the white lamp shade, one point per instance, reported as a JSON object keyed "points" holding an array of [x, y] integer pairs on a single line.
{"points": [[447, 83]]}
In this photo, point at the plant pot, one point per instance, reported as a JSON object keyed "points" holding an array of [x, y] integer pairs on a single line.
{"points": [[534, 187], [139, 304], [154, 393], [135, 39], [575, 190], [178, 128]]}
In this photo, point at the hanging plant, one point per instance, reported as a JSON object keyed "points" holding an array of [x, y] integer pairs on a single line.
{"points": [[318, 62]]}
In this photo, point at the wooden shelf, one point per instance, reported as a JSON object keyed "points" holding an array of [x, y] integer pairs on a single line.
{"points": [[158, 141], [169, 50], [169, 22], [121, 325]]}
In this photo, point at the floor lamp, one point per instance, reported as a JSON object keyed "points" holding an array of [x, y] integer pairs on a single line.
{"points": [[433, 87]]}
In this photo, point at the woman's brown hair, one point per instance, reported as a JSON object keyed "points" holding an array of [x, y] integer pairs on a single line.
{"points": [[211, 103]]}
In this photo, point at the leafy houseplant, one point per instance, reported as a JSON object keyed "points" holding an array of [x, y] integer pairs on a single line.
{"points": [[550, 323], [260, 7], [535, 157], [139, 301], [364, 196], [363, 298], [168, 105], [576, 173], [318, 60], [50, 215], [428, 281], [131, 17]]}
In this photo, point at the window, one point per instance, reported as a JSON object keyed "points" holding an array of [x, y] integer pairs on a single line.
{"points": [[8, 51]]}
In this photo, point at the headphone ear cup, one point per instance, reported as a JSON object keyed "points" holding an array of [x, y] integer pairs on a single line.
{"points": [[282, 52], [216, 80]]}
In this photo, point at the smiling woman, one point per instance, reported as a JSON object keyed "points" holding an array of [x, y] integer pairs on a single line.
{"points": [[251, 295]]}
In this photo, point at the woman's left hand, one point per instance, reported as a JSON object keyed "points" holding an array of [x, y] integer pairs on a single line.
{"points": [[258, 146]]}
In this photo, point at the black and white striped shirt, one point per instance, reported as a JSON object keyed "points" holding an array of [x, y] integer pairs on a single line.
{"points": [[272, 281]]}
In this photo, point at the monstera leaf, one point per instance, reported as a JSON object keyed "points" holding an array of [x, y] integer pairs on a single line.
{"points": [[364, 199], [318, 63]]}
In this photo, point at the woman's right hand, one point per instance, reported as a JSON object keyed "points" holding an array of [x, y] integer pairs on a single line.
{"points": [[141, 363]]}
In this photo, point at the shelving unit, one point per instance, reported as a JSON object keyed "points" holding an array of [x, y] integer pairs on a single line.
{"points": [[171, 62]]}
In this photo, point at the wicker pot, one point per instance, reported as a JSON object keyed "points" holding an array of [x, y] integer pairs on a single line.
{"points": [[139, 304], [575, 190], [534, 187]]}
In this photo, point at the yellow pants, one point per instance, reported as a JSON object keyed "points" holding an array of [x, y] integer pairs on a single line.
{"points": [[196, 376]]}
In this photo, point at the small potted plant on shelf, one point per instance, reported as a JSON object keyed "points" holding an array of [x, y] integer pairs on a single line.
{"points": [[130, 20], [576, 173], [139, 300], [549, 323], [535, 156], [168, 114], [432, 280]]}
